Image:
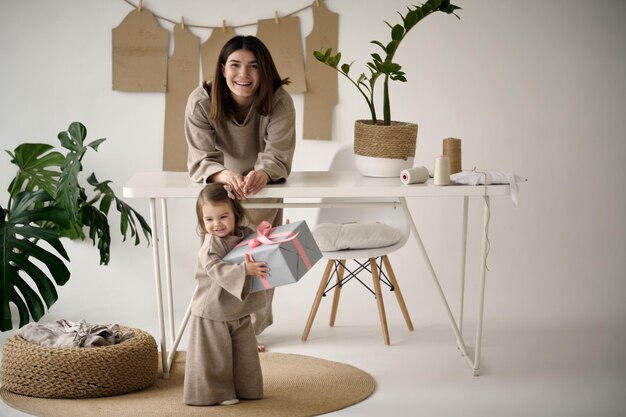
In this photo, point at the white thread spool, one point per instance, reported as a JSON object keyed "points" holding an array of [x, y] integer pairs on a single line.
{"points": [[414, 175], [442, 170]]}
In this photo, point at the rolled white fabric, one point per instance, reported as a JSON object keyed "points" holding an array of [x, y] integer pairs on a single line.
{"points": [[442, 171], [414, 175]]}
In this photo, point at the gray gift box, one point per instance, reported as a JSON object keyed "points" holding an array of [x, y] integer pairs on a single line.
{"points": [[288, 261]]}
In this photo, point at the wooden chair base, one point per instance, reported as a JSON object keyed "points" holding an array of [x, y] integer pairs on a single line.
{"points": [[377, 290]]}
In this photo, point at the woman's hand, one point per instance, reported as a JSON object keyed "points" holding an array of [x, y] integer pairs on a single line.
{"points": [[254, 182], [233, 180]]}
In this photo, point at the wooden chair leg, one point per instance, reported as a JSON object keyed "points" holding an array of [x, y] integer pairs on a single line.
{"points": [[318, 299], [337, 293], [379, 300], [394, 282]]}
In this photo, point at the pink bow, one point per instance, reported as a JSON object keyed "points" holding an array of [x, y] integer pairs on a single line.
{"points": [[264, 232]]}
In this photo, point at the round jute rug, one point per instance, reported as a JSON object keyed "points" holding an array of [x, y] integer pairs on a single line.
{"points": [[294, 386]]}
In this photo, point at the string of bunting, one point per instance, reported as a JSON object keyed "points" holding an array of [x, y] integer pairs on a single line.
{"points": [[182, 20]]}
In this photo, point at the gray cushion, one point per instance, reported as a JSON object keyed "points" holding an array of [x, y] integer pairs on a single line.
{"points": [[333, 236]]}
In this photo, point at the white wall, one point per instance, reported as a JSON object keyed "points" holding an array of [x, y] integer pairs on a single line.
{"points": [[530, 86]]}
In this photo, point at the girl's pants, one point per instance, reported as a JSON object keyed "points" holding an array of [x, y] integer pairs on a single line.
{"points": [[222, 362]]}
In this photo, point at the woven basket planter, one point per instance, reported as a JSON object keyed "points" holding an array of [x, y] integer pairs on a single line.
{"points": [[39, 371], [384, 151]]}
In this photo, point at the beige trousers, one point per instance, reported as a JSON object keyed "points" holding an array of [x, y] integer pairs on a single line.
{"points": [[222, 362]]}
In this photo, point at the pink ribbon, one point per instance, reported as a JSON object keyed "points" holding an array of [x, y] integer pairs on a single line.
{"points": [[265, 237]]}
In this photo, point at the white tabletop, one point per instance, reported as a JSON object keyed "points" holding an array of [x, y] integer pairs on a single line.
{"points": [[306, 184]]}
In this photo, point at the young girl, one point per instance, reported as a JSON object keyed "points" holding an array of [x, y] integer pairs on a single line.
{"points": [[222, 364]]}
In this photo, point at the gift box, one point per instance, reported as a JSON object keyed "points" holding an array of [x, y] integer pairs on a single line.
{"points": [[289, 251]]}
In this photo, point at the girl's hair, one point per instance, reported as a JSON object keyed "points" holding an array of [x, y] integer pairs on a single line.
{"points": [[213, 193], [222, 104]]}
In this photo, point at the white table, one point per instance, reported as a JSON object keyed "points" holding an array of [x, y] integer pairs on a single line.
{"points": [[311, 186]]}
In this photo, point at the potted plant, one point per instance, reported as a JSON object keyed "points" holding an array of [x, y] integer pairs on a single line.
{"points": [[47, 202], [384, 147]]}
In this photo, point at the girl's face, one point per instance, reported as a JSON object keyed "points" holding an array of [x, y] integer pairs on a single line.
{"points": [[218, 219], [241, 72]]}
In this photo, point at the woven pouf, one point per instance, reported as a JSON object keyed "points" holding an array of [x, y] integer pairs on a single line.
{"points": [[39, 371]]}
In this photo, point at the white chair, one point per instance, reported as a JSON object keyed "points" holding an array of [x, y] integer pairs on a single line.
{"points": [[371, 260]]}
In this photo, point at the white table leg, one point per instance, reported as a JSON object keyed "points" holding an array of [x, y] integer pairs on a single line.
{"points": [[168, 267], [463, 262], [420, 244], [483, 273], [157, 282], [179, 336]]}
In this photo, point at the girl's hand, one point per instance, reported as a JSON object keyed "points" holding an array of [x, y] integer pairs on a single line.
{"points": [[254, 182], [233, 180], [260, 269]]}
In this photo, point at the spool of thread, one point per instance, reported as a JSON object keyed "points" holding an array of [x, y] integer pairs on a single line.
{"points": [[452, 149], [414, 175], [442, 170]]}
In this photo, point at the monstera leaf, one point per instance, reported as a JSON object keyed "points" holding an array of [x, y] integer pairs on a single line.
{"points": [[68, 192], [96, 220], [19, 249], [39, 167]]}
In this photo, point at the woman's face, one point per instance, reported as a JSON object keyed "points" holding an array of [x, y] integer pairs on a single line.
{"points": [[241, 72]]}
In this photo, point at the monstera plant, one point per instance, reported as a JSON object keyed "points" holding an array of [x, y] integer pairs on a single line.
{"points": [[47, 203]]}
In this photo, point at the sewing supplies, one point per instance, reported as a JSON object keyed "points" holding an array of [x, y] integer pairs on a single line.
{"points": [[415, 175], [442, 170], [452, 149]]}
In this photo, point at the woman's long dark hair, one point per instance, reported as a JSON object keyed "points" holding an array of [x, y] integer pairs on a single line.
{"points": [[222, 104]]}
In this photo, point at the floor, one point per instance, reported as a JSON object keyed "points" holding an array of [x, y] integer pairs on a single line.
{"points": [[527, 370]]}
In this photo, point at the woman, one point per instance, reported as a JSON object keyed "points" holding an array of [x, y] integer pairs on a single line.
{"points": [[240, 131]]}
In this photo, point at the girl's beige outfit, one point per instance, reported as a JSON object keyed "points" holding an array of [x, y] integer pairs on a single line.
{"points": [[222, 359], [264, 143]]}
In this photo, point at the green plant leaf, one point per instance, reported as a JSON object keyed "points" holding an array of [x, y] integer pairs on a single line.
{"points": [[99, 231], [337, 59], [38, 168], [69, 194], [18, 253], [94, 144], [379, 44], [319, 56], [410, 20], [391, 47], [68, 188], [128, 215], [78, 132], [65, 140], [396, 32]]}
